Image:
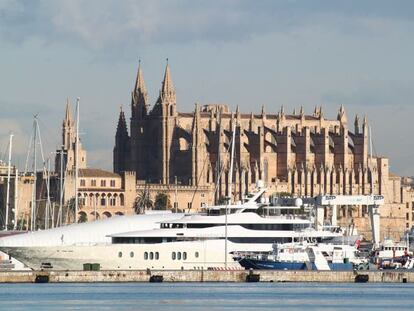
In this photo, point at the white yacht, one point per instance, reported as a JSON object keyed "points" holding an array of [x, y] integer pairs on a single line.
{"points": [[194, 241]]}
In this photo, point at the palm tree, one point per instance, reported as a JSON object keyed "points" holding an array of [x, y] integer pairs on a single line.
{"points": [[162, 201], [142, 202], [82, 218]]}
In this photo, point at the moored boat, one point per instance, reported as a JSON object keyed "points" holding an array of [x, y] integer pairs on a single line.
{"points": [[304, 256]]}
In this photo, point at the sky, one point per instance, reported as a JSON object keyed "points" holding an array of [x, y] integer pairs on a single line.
{"points": [[247, 53]]}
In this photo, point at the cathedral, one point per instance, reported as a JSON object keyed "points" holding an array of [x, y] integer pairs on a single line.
{"points": [[297, 153]]}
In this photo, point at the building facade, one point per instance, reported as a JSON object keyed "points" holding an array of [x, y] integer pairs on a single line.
{"points": [[301, 154], [101, 194]]}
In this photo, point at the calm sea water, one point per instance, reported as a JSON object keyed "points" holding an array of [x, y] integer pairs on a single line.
{"points": [[206, 296]]}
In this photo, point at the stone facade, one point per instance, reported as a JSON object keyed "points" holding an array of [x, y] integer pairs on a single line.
{"points": [[102, 194], [302, 154]]}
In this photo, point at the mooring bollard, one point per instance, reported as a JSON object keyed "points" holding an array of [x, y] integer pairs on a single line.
{"points": [[251, 277], [361, 278], [156, 279], [42, 279]]}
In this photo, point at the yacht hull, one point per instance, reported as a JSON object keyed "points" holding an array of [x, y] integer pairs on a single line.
{"points": [[249, 263], [207, 254]]}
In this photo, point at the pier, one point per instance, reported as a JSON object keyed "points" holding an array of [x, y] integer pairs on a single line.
{"points": [[384, 276]]}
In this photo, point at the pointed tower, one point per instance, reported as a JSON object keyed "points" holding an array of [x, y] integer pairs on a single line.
{"points": [[121, 149], [139, 101], [165, 112], [68, 128], [66, 154], [356, 124], [166, 102], [139, 115]]}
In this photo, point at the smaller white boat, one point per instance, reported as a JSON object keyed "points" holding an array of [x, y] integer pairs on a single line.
{"points": [[391, 249]]}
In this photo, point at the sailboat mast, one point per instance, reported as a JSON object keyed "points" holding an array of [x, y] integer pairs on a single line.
{"points": [[60, 215], [233, 140], [8, 183], [16, 197], [218, 162], [48, 203], [370, 158], [33, 211], [76, 159]]}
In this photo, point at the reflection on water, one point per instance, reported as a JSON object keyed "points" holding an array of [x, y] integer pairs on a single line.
{"points": [[206, 296]]}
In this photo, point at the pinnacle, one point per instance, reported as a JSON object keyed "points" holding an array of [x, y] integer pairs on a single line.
{"points": [[365, 122], [342, 114], [139, 83], [167, 85], [68, 114], [122, 126]]}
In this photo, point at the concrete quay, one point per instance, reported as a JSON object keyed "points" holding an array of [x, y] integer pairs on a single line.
{"points": [[390, 276]]}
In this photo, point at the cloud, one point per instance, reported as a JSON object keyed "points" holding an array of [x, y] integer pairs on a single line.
{"points": [[373, 93], [110, 23]]}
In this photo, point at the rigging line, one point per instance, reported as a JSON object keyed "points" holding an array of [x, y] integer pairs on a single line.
{"points": [[28, 152], [49, 141], [41, 145]]}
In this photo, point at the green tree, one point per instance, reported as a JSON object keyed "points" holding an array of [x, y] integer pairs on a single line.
{"points": [[142, 202], [162, 201], [82, 218]]}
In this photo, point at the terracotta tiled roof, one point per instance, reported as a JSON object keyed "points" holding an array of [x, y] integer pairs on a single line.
{"points": [[95, 172]]}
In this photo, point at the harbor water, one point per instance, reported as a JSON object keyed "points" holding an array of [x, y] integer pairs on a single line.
{"points": [[206, 296]]}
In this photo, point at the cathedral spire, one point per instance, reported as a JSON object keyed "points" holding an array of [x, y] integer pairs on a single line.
{"points": [[68, 128], [139, 83], [365, 125], [121, 130], [167, 93], [122, 145], [140, 102], [356, 124], [68, 115]]}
